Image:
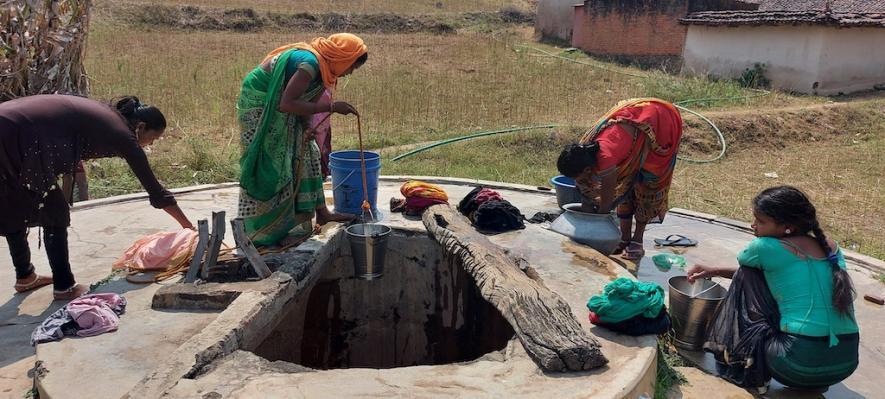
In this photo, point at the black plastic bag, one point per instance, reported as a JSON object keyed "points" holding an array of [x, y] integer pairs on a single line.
{"points": [[746, 325]]}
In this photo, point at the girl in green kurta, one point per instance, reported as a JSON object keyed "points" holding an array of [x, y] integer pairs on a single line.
{"points": [[788, 313], [280, 176]]}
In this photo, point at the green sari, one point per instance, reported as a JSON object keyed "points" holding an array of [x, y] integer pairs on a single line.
{"points": [[281, 182]]}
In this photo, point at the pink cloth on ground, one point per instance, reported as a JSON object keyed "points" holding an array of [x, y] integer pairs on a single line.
{"points": [[155, 251], [95, 313], [323, 134]]}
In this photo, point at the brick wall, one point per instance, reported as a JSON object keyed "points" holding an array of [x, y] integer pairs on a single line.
{"points": [[637, 28]]}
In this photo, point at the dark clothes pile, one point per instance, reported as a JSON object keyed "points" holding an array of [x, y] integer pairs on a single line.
{"points": [[545, 216], [490, 212], [637, 325]]}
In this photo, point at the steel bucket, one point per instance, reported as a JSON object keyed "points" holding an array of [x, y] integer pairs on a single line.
{"points": [[368, 247], [692, 307]]}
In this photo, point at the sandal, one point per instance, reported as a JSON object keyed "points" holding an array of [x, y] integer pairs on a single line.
{"points": [[621, 247], [634, 251], [71, 293], [676, 240], [37, 282]]}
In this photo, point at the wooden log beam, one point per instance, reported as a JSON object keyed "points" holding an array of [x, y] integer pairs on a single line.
{"points": [[248, 249], [542, 320]]}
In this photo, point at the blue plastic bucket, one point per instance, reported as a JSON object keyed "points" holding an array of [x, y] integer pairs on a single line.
{"points": [[566, 192], [347, 180]]}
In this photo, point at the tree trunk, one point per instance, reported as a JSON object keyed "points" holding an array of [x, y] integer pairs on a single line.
{"points": [[542, 320]]}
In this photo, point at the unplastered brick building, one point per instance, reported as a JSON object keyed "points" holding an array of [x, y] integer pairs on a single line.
{"points": [[645, 31]]}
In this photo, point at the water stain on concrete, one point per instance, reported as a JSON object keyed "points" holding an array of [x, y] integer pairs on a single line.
{"points": [[589, 258]]}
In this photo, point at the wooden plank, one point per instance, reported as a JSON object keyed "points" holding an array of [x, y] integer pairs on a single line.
{"points": [[215, 240], [249, 251], [542, 320], [199, 251]]}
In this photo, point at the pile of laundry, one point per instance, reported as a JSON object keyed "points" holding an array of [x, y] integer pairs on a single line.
{"points": [[630, 307], [419, 196], [490, 212], [158, 251], [86, 316], [487, 209]]}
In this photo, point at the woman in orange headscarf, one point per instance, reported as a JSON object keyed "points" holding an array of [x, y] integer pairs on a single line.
{"points": [[280, 174]]}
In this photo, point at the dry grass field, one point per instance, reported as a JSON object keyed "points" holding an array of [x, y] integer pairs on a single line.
{"points": [[352, 6]]}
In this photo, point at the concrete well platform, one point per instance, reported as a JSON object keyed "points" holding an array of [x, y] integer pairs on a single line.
{"points": [[212, 353]]}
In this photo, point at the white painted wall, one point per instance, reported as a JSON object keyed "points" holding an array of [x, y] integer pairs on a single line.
{"points": [[852, 59], [554, 18], [796, 57]]}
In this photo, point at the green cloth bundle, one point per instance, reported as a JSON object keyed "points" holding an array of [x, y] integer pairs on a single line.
{"points": [[624, 299]]}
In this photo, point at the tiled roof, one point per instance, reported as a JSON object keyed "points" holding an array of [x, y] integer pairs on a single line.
{"points": [[836, 6], [842, 19]]}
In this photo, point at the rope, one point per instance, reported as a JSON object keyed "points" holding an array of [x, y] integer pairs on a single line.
{"points": [[367, 208]]}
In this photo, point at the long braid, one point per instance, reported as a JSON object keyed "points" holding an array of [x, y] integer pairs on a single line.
{"points": [[843, 290]]}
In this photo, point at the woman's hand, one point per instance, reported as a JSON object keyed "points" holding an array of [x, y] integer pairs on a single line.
{"points": [[178, 215], [698, 271], [343, 108]]}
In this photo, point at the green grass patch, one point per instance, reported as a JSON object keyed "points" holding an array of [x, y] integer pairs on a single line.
{"points": [[667, 375]]}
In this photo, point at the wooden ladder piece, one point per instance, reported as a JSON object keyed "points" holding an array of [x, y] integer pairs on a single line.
{"points": [[249, 251], [215, 240], [199, 251]]}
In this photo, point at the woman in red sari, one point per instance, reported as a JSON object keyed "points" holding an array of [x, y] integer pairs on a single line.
{"points": [[626, 161]]}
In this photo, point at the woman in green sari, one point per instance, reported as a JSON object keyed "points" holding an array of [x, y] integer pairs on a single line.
{"points": [[281, 184]]}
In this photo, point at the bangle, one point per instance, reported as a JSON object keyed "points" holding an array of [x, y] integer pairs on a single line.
{"points": [[330, 107]]}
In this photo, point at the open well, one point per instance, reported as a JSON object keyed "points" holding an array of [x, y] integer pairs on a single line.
{"points": [[424, 310]]}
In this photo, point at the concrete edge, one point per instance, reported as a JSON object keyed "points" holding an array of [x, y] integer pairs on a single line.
{"points": [[457, 181], [868, 262], [243, 325], [644, 384], [865, 261], [83, 205], [141, 195]]}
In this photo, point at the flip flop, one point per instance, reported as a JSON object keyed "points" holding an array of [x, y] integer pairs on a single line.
{"points": [[39, 281], [676, 240]]}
